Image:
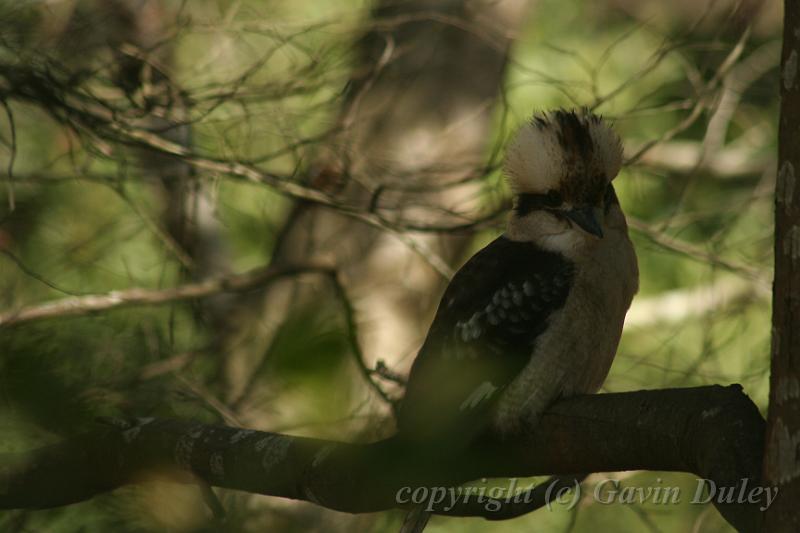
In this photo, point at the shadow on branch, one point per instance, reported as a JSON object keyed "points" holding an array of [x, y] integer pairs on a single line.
{"points": [[713, 432]]}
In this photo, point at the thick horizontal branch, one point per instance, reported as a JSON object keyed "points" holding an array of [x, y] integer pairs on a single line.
{"points": [[714, 432]]}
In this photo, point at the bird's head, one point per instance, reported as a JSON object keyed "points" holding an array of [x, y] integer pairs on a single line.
{"points": [[560, 166]]}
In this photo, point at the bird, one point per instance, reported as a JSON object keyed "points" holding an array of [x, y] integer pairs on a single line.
{"points": [[537, 314]]}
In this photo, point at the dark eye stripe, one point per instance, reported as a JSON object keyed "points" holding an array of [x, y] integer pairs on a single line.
{"points": [[553, 198], [529, 202]]}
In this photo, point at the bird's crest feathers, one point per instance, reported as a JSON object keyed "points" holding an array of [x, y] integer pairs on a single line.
{"points": [[562, 150]]}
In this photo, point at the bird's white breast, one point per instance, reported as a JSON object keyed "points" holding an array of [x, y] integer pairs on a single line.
{"points": [[574, 354]]}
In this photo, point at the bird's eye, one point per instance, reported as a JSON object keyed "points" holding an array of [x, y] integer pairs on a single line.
{"points": [[553, 198]]}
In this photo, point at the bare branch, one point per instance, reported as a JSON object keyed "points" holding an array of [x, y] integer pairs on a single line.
{"points": [[285, 186], [704, 99], [695, 252], [674, 429], [85, 305]]}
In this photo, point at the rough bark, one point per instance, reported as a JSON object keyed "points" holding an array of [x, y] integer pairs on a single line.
{"points": [[714, 432], [782, 458]]}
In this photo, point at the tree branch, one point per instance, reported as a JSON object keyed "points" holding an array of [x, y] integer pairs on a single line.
{"points": [[92, 303], [714, 432], [696, 252]]}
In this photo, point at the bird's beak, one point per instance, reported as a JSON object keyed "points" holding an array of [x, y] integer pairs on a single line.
{"points": [[586, 218]]}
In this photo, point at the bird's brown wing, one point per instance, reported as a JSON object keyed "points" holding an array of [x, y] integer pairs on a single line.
{"points": [[483, 335]]}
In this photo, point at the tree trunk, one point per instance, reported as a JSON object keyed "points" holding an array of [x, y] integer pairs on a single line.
{"points": [[782, 457]]}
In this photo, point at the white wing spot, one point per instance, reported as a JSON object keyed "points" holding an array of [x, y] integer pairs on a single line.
{"points": [[482, 393], [528, 288]]}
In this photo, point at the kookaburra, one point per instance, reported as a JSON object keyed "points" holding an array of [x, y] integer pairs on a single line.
{"points": [[537, 314]]}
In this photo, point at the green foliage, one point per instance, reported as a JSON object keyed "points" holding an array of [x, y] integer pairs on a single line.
{"points": [[261, 83]]}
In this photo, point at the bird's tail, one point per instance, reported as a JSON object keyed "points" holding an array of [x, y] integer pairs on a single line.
{"points": [[416, 520]]}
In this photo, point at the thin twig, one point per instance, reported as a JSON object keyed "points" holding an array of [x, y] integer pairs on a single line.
{"points": [[698, 253], [35, 275], [290, 188], [162, 235]]}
